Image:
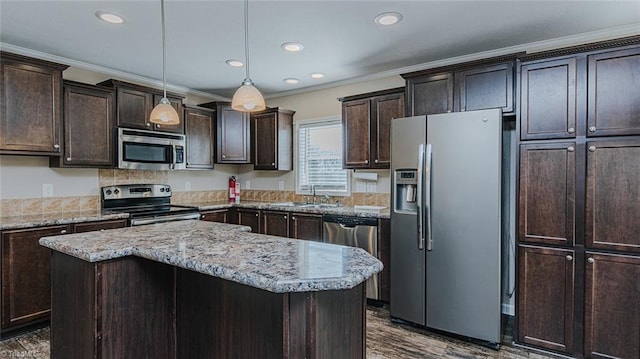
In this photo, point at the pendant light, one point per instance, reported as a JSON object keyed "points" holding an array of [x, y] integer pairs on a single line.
{"points": [[164, 113], [247, 98]]}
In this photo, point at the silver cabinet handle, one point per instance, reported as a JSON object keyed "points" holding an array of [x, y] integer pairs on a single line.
{"points": [[570, 148], [68, 159], [223, 156], [592, 148], [569, 257], [56, 146], [366, 161], [64, 231], [571, 130], [592, 129], [591, 260], [273, 163], [285, 217], [293, 218], [102, 230], [202, 216], [148, 124], [256, 215], [376, 161]]}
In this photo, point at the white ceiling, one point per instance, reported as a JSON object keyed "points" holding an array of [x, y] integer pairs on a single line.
{"points": [[340, 38]]}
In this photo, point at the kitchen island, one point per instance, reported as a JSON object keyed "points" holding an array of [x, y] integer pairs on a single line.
{"points": [[194, 289]]}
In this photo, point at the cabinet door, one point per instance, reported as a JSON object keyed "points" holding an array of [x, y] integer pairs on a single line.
{"points": [[233, 136], [275, 223], [613, 100], [215, 216], [88, 127], [430, 94], [30, 107], [548, 99], [612, 217], [356, 133], [134, 108], [265, 141], [385, 108], [199, 125], [177, 104], [251, 218], [545, 300], [547, 193], [612, 309], [26, 276], [99, 226], [306, 226], [486, 87]]}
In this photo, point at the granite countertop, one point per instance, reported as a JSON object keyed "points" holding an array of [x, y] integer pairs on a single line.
{"points": [[52, 219], [281, 206], [230, 252]]}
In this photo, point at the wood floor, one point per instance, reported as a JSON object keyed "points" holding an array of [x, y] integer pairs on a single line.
{"points": [[385, 340]]}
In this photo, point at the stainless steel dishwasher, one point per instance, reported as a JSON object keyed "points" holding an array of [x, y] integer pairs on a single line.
{"points": [[355, 232]]}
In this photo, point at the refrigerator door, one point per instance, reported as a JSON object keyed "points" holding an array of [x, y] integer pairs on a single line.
{"points": [[463, 263], [408, 136]]}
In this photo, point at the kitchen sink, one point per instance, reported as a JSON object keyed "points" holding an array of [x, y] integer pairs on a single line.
{"points": [[306, 205]]}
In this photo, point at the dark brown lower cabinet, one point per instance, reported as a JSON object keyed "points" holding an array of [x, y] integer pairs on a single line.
{"points": [[26, 272], [218, 215], [546, 301], [275, 223], [135, 308], [249, 217], [612, 306], [306, 226]]}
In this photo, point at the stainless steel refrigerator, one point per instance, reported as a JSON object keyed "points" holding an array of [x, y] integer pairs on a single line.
{"points": [[446, 222]]}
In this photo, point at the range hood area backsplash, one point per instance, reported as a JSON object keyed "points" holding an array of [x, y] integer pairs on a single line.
{"points": [[107, 177]]}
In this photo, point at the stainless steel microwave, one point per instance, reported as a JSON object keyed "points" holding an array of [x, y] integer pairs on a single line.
{"points": [[150, 150]]}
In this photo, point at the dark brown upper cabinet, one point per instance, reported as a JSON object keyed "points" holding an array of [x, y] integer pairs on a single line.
{"points": [[548, 99], [613, 93], [88, 126], [134, 105], [366, 127], [485, 87], [430, 94], [547, 193], [462, 87], [613, 195], [546, 297], [233, 134], [199, 128], [30, 105], [272, 139], [611, 311]]}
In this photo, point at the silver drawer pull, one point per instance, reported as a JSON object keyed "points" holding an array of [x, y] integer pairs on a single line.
{"points": [[571, 130], [569, 258], [56, 146], [64, 231], [570, 148], [592, 148], [591, 260], [592, 129]]}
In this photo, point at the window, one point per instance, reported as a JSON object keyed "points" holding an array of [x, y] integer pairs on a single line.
{"points": [[319, 158]]}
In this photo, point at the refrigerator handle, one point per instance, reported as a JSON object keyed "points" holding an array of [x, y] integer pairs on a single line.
{"points": [[427, 205], [419, 202]]}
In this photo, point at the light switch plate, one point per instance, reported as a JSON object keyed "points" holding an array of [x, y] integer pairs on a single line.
{"points": [[281, 185], [187, 185], [247, 184], [47, 190]]}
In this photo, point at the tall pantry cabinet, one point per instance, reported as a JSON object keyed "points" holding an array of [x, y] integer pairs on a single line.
{"points": [[579, 200]]}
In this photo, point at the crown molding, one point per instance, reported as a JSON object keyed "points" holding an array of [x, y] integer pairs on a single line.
{"points": [[107, 71]]}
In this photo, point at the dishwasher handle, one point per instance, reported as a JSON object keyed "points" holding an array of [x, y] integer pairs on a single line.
{"points": [[350, 221]]}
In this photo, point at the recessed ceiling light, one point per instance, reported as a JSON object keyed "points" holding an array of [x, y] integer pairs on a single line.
{"points": [[292, 46], [111, 18], [316, 75], [234, 63], [291, 81], [388, 18]]}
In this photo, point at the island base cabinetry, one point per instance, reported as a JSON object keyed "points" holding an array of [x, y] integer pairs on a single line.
{"points": [[133, 308]]}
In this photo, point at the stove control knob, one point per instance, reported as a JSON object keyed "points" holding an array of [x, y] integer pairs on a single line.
{"points": [[161, 189], [116, 191], [108, 192], [167, 189]]}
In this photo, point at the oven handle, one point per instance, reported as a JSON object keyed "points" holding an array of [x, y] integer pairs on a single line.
{"points": [[176, 217]]}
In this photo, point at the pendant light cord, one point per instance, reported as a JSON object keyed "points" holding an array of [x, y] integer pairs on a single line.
{"points": [[164, 54], [246, 35]]}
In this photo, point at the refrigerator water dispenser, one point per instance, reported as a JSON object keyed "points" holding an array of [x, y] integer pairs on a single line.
{"points": [[405, 195]]}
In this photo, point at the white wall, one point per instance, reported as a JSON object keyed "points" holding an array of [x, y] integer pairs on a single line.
{"points": [[193, 180]]}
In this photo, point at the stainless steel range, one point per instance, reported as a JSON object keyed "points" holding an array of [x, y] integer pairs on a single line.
{"points": [[145, 203]]}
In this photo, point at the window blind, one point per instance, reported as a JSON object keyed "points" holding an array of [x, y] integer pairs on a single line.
{"points": [[320, 157]]}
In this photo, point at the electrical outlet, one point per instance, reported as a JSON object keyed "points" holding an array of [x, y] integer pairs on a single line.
{"points": [[247, 184], [187, 186], [47, 190], [281, 185]]}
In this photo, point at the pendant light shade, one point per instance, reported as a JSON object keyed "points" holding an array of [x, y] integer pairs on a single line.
{"points": [[164, 113], [247, 98]]}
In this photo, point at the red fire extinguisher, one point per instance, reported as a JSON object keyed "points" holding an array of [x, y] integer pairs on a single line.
{"points": [[232, 189]]}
